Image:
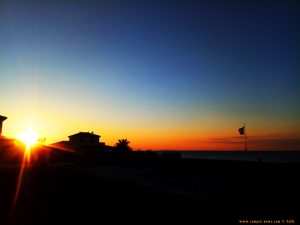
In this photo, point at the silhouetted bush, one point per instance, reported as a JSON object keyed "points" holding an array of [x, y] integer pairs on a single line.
{"points": [[171, 155], [145, 155]]}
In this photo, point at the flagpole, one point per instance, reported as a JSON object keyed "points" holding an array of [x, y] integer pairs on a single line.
{"points": [[245, 137]]}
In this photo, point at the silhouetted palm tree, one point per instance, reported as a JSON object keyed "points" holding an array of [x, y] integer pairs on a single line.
{"points": [[123, 146]]}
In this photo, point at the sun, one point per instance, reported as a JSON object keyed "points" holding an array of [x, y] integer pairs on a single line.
{"points": [[29, 137]]}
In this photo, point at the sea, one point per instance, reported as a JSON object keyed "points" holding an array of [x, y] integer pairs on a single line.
{"points": [[262, 156]]}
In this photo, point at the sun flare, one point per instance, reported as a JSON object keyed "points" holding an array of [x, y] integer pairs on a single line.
{"points": [[29, 137]]}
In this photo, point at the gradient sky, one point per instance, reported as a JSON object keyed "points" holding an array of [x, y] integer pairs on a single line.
{"points": [[163, 74]]}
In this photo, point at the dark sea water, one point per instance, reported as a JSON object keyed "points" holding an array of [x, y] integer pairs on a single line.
{"points": [[264, 156]]}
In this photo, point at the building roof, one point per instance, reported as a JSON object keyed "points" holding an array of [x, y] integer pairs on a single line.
{"points": [[2, 118], [84, 134]]}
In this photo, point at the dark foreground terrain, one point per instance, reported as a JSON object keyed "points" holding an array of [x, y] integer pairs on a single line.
{"points": [[231, 191]]}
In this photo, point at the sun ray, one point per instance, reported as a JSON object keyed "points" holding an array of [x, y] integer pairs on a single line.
{"points": [[65, 149], [29, 138], [19, 182]]}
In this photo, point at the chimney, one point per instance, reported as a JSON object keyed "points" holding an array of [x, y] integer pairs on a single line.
{"points": [[2, 118]]}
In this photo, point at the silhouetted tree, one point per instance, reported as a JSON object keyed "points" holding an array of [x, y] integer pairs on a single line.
{"points": [[122, 146]]}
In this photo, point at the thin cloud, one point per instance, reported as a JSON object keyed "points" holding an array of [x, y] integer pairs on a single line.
{"points": [[265, 141]]}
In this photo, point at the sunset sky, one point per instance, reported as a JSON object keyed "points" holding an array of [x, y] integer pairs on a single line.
{"points": [[179, 75]]}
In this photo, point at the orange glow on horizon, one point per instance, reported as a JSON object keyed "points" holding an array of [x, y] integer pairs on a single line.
{"points": [[198, 134]]}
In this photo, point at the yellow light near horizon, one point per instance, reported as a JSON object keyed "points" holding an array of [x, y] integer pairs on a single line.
{"points": [[29, 137]]}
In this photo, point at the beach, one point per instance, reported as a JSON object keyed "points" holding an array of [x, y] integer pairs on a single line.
{"points": [[190, 191]]}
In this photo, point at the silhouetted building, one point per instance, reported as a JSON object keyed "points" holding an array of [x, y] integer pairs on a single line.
{"points": [[2, 118], [9, 148], [82, 144], [85, 139]]}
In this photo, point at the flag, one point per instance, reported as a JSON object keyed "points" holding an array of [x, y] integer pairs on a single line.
{"points": [[242, 130]]}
